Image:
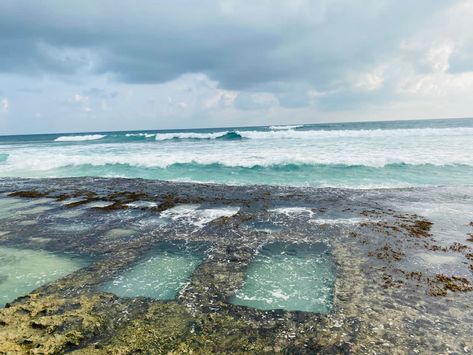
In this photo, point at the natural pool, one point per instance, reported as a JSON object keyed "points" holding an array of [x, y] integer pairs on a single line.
{"points": [[162, 274], [294, 277], [23, 270]]}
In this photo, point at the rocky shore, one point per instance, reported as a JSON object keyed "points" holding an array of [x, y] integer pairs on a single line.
{"points": [[400, 287]]}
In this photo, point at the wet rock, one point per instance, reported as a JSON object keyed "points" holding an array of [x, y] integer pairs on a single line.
{"points": [[443, 283]]}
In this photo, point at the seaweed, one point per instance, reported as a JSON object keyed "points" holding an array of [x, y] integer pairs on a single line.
{"points": [[28, 194], [440, 284]]}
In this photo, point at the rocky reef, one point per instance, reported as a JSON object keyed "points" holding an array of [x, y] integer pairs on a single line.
{"points": [[398, 287]]}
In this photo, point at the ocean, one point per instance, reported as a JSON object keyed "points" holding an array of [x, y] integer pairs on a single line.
{"points": [[348, 155], [152, 266]]}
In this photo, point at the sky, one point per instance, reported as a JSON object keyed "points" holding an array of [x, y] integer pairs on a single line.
{"points": [[148, 64]]}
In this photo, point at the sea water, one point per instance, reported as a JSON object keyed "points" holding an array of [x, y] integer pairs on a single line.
{"points": [[359, 155], [11, 207], [294, 277], [23, 270], [160, 275]]}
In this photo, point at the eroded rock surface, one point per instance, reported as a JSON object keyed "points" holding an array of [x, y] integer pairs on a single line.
{"points": [[400, 286]]}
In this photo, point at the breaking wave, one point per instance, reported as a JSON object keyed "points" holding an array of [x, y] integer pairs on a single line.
{"points": [[285, 127], [227, 135], [290, 133], [372, 133], [87, 137]]}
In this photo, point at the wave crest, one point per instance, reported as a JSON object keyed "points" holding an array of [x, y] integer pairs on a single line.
{"points": [[371, 133], [229, 135], [285, 127], [87, 137], [288, 132]]}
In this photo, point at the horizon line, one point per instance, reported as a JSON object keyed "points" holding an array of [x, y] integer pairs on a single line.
{"points": [[228, 127]]}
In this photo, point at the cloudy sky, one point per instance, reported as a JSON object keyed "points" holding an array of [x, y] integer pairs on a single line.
{"points": [[150, 64]]}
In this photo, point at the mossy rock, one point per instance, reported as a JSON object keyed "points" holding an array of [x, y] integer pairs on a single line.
{"points": [[169, 328]]}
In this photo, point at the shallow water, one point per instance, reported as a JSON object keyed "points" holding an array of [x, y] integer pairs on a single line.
{"points": [[295, 277], [193, 214], [386, 295], [160, 276], [23, 270], [10, 207]]}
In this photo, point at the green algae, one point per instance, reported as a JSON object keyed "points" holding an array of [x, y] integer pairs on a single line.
{"points": [[170, 329]]}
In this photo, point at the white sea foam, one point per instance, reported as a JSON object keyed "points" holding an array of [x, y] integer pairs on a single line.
{"points": [[293, 211], [189, 135], [285, 127], [288, 132], [440, 152], [193, 215], [88, 137], [288, 156], [368, 133]]}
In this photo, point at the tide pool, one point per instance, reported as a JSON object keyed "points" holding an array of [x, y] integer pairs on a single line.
{"points": [[294, 277], [161, 275], [23, 270]]}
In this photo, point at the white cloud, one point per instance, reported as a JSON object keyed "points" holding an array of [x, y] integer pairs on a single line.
{"points": [[221, 99], [438, 57], [82, 102], [371, 80]]}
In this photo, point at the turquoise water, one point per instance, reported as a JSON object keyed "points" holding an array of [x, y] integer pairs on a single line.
{"points": [[357, 155], [23, 270], [295, 277], [160, 276]]}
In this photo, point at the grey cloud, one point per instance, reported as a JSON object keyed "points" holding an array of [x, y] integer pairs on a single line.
{"points": [[252, 101], [243, 46], [350, 99], [100, 93]]}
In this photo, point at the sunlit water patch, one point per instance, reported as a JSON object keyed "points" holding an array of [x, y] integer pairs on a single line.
{"points": [[116, 233], [73, 213], [23, 270], [161, 275], [72, 227], [34, 210], [450, 214], [10, 207], [72, 200], [294, 277], [98, 204], [432, 263]]}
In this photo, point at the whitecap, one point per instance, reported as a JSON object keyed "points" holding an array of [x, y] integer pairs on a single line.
{"points": [[285, 127], [88, 137], [190, 135]]}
